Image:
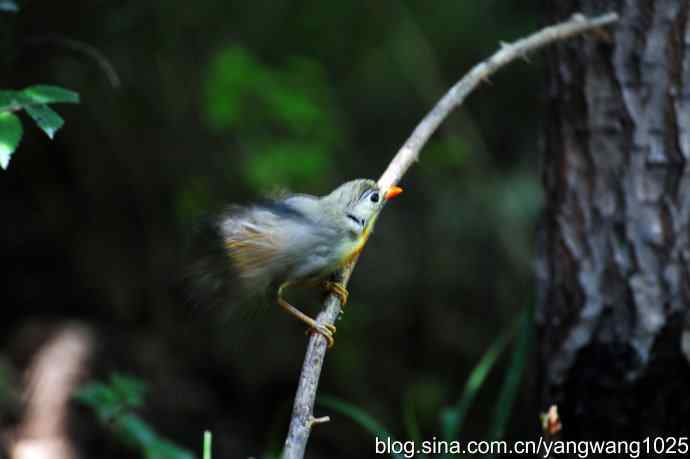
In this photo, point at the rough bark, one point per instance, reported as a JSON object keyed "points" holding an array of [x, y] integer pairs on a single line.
{"points": [[613, 268]]}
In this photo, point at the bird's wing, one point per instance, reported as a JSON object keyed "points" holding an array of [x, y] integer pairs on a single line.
{"points": [[276, 241]]}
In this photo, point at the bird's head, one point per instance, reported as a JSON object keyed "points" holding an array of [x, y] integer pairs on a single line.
{"points": [[357, 204]]}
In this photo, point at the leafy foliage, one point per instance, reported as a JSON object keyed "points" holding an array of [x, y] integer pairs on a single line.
{"points": [[113, 404], [283, 117], [34, 101], [121, 394]]}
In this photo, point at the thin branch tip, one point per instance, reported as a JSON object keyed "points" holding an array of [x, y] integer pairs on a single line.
{"points": [[322, 420], [595, 22]]}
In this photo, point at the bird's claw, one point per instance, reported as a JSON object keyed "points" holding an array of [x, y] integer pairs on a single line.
{"points": [[337, 289], [326, 330]]}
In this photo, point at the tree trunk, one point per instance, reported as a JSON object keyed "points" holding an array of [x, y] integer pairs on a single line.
{"points": [[613, 264]]}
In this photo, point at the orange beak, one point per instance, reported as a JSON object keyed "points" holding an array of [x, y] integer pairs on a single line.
{"points": [[393, 192]]}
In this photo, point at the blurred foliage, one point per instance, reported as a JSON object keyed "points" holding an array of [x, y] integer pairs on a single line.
{"points": [[283, 117], [113, 403], [120, 394], [34, 101]]}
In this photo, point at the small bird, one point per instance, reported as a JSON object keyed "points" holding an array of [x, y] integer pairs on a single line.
{"points": [[301, 239]]}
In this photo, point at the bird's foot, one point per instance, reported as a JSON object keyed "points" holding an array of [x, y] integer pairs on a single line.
{"points": [[326, 330], [337, 289]]}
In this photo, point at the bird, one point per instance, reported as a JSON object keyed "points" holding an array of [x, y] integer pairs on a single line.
{"points": [[300, 239]]}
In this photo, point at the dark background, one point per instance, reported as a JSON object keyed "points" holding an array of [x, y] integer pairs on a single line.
{"points": [[221, 102]]}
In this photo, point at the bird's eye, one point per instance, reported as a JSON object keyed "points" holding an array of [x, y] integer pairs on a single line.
{"points": [[374, 197]]}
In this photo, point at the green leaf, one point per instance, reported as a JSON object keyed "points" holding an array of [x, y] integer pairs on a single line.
{"points": [[410, 419], [8, 6], [359, 416], [113, 402], [6, 98], [130, 391], [100, 398], [207, 445], [13, 100], [452, 418], [93, 394], [511, 383], [10, 135], [46, 94], [46, 118], [163, 449], [35, 95], [135, 432]]}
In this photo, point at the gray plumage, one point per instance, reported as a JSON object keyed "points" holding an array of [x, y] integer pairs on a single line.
{"points": [[288, 240], [299, 238]]}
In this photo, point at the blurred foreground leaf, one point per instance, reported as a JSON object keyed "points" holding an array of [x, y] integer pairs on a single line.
{"points": [[11, 100], [10, 135], [46, 118], [47, 94], [113, 402], [410, 417], [119, 395], [33, 100], [511, 383], [207, 445], [452, 418]]}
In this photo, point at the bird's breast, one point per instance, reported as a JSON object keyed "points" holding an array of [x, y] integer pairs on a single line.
{"points": [[351, 248]]}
